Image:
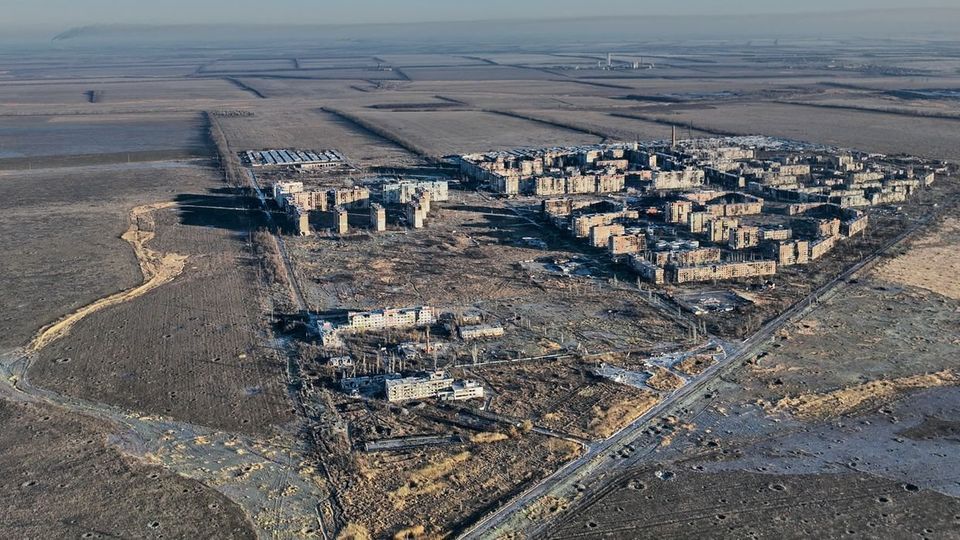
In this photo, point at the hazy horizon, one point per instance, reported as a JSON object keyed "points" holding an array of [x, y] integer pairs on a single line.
{"points": [[26, 16]]}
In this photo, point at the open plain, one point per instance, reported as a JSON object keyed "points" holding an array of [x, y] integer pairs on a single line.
{"points": [[163, 374]]}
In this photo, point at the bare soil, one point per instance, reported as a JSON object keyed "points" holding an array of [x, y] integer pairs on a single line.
{"points": [[61, 479], [747, 504], [192, 349]]}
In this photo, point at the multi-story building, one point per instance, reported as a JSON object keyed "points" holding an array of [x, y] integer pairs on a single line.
{"points": [[403, 192], [391, 318], [433, 385]]}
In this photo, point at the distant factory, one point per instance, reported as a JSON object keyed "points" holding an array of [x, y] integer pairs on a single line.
{"points": [[294, 159]]}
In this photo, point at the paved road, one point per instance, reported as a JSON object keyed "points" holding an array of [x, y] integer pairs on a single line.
{"points": [[602, 454]]}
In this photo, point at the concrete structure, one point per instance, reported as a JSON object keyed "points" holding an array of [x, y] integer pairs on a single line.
{"points": [[403, 191], [433, 385], [508, 185], [677, 180], [355, 197], [422, 198], [744, 237], [341, 220], [414, 214], [815, 227], [722, 271], [581, 225], [822, 246], [480, 331], [378, 218], [294, 159], [367, 385], [329, 335], [697, 221], [686, 257], [302, 220], [647, 270], [380, 319], [805, 197], [775, 234], [678, 211], [624, 244], [854, 225], [718, 229], [790, 253], [309, 200], [600, 234]]}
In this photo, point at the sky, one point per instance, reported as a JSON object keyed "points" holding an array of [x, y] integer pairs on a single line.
{"points": [[64, 14]]}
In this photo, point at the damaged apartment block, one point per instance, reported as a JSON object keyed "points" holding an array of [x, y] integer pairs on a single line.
{"points": [[703, 210]]}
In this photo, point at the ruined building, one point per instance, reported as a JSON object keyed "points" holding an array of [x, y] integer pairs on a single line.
{"points": [[341, 220], [433, 385], [414, 214], [378, 218]]}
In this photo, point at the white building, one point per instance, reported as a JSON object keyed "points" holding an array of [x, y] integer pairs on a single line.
{"points": [[432, 385], [405, 191], [480, 331], [281, 190], [391, 318]]}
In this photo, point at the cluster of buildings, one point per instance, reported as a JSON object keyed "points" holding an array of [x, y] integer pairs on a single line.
{"points": [[392, 385], [380, 319], [467, 326], [470, 326], [704, 210], [410, 199], [550, 171]]}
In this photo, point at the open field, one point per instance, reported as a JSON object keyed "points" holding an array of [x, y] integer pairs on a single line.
{"points": [[61, 478], [876, 132], [564, 397], [73, 253], [117, 138], [477, 73], [111, 92], [724, 505], [171, 350], [930, 264], [877, 343], [296, 88], [451, 132], [432, 488], [843, 425], [618, 128], [317, 130]]}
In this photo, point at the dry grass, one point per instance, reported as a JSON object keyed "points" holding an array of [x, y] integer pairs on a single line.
{"points": [[427, 480], [158, 269], [696, 364], [663, 380], [439, 133], [414, 532], [931, 263], [608, 419], [846, 400], [489, 437], [354, 531], [265, 247], [546, 507]]}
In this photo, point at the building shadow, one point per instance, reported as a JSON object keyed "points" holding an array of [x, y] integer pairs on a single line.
{"points": [[221, 208]]}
